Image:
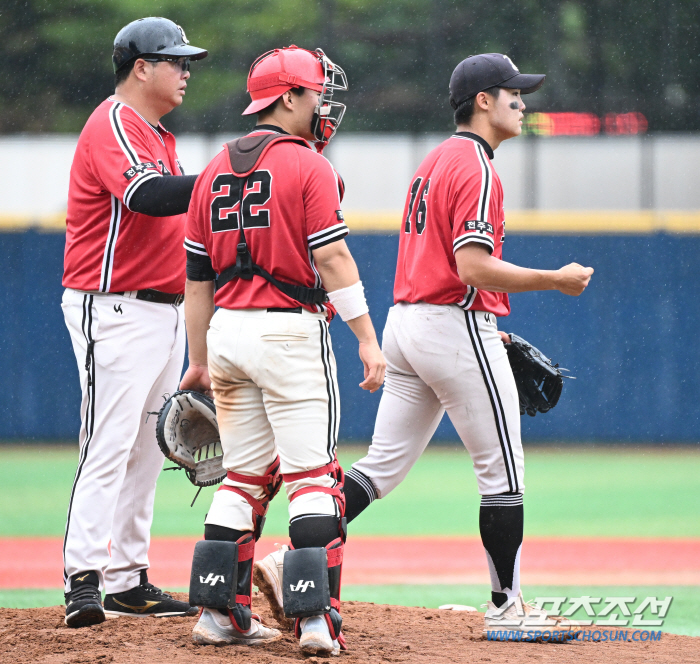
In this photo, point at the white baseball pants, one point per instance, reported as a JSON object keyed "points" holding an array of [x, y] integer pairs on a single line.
{"points": [[130, 353], [274, 380], [442, 358]]}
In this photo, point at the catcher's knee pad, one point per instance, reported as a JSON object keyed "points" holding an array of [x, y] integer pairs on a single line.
{"points": [[335, 492], [214, 575], [269, 484]]}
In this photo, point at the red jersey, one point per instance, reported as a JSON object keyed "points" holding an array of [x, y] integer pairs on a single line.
{"points": [[456, 197], [109, 248], [291, 205]]}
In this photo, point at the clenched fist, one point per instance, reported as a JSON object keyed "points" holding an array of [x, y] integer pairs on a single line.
{"points": [[572, 279]]}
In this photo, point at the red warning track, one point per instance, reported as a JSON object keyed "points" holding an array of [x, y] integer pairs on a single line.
{"points": [[36, 563]]}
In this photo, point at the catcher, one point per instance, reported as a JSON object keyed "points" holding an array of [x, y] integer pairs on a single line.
{"points": [[265, 217], [441, 342]]}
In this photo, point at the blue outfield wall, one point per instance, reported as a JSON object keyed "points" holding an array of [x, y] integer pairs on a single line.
{"points": [[630, 339]]}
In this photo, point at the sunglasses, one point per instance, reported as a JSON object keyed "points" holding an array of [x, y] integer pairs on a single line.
{"points": [[184, 63]]}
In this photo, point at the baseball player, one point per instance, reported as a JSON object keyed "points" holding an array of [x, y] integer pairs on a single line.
{"points": [[441, 342], [124, 276], [265, 216]]}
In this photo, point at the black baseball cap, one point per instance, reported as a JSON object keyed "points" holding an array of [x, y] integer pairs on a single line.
{"points": [[489, 70]]}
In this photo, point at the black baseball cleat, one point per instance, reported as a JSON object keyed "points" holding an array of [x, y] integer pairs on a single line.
{"points": [[84, 601], [146, 600]]}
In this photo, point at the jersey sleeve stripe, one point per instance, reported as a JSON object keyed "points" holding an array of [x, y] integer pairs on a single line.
{"points": [[328, 241], [336, 235], [195, 247], [120, 134], [472, 237], [136, 183], [325, 231]]}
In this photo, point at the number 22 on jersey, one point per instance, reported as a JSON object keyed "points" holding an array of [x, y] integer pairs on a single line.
{"points": [[225, 206]]}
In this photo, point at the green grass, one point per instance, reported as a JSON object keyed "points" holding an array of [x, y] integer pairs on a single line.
{"points": [[683, 616], [29, 598], [571, 491]]}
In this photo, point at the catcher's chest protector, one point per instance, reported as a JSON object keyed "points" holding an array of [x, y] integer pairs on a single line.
{"points": [[245, 153]]}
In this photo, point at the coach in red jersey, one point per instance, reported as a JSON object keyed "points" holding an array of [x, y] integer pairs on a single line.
{"points": [[443, 349], [124, 276], [266, 216]]}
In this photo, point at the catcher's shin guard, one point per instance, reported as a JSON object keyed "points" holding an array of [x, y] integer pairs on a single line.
{"points": [[214, 576], [241, 613], [335, 572], [270, 483], [317, 568], [305, 588], [316, 571], [238, 592]]}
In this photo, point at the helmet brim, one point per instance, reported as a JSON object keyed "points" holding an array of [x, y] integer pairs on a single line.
{"points": [[181, 51], [526, 83], [271, 95]]}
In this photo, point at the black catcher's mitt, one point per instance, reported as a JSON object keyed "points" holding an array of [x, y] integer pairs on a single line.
{"points": [[188, 434], [539, 381]]}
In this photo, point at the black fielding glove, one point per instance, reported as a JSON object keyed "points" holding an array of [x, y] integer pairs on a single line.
{"points": [[539, 381]]}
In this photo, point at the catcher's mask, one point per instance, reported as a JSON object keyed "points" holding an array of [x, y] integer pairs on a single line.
{"points": [[282, 69]]}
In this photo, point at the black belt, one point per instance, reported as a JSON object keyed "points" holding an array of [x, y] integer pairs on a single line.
{"points": [[284, 310], [152, 295]]}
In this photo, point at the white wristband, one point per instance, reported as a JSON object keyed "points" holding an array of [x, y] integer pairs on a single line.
{"points": [[349, 302]]}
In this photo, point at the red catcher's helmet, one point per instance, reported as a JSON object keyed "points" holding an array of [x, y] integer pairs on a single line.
{"points": [[278, 71]]}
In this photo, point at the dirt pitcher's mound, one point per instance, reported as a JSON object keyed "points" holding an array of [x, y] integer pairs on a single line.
{"points": [[375, 633]]}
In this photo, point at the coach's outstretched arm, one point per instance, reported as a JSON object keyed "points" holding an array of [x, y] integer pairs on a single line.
{"points": [[341, 279], [478, 268], [199, 308]]}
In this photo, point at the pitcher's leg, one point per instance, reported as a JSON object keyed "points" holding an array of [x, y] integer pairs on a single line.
{"points": [[408, 414], [488, 422]]}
